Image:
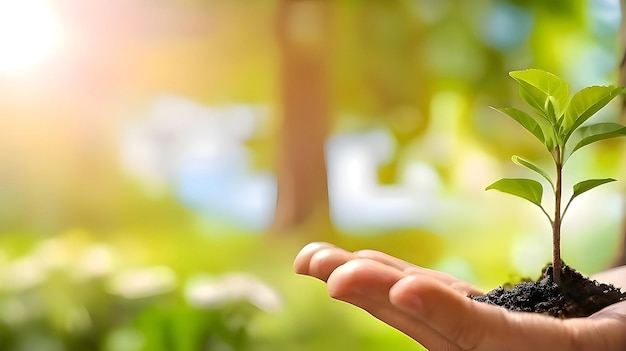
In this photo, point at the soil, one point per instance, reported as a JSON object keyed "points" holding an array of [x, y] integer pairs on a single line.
{"points": [[579, 296]]}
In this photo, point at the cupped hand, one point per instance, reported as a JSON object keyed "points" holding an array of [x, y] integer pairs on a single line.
{"points": [[432, 307]]}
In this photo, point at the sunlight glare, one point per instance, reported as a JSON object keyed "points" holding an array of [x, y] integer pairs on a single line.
{"points": [[29, 34]]}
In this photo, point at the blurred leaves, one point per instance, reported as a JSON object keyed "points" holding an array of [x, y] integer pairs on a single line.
{"points": [[79, 294], [79, 237]]}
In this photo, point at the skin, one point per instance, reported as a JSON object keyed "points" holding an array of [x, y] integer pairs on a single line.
{"points": [[432, 308]]}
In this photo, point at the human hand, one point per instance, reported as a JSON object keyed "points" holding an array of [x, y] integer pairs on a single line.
{"points": [[432, 307]]}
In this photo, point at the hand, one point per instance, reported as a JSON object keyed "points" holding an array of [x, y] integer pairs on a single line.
{"points": [[432, 307]]}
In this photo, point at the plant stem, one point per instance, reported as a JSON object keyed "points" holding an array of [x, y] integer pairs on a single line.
{"points": [[556, 224]]}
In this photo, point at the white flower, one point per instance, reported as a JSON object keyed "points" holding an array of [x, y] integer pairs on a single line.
{"points": [[140, 283], [204, 291], [53, 254], [22, 274], [97, 261], [30, 270]]}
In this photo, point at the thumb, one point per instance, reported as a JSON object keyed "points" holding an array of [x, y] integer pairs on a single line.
{"points": [[472, 325]]}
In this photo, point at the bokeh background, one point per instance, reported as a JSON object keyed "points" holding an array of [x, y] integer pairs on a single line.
{"points": [[162, 162]]}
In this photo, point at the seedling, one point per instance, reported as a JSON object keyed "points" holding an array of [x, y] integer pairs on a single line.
{"points": [[557, 123]]}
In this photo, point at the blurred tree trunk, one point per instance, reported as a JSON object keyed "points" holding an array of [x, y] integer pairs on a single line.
{"points": [[304, 39], [621, 257]]}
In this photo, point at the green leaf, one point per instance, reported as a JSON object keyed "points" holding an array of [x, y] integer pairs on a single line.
{"points": [[587, 185], [528, 164], [597, 132], [585, 104], [550, 112], [540, 128], [528, 189], [545, 92], [525, 120]]}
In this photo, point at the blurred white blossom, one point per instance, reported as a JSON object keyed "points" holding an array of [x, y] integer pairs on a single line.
{"points": [[204, 291], [23, 273], [98, 260], [144, 282], [53, 254], [30, 270]]}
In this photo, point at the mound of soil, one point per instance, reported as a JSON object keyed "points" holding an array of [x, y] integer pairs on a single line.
{"points": [[580, 296]]}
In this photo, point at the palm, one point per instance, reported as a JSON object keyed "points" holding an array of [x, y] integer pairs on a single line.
{"points": [[432, 308]]}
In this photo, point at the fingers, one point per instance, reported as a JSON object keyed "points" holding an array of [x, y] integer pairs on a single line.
{"points": [[384, 258], [319, 260], [301, 262], [445, 311], [366, 283], [615, 276], [612, 321], [432, 307], [412, 269], [614, 311], [363, 275], [472, 325], [460, 286]]}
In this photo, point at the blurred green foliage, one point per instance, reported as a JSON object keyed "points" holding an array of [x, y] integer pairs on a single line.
{"points": [[74, 225]]}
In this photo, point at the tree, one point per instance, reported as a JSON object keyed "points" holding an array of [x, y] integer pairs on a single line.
{"points": [[304, 40]]}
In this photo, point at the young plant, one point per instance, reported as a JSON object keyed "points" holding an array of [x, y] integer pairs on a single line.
{"points": [[557, 123]]}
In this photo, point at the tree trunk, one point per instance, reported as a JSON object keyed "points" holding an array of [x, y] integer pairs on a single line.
{"points": [[304, 40]]}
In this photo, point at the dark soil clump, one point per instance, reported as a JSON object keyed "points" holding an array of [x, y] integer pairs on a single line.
{"points": [[580, 296]]}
